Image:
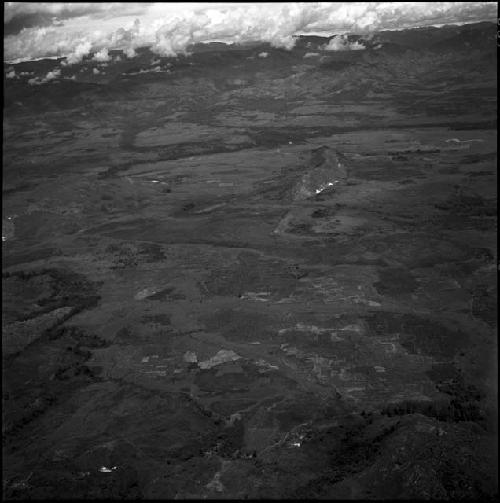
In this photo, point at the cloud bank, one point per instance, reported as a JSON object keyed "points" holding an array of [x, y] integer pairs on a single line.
{"points": [[73, 30]]}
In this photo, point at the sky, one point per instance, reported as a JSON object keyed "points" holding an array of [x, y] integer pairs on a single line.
{"points": [[34, 30]]}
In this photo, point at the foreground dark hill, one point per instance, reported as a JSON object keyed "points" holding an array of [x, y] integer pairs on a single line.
{"points": [[253, 273]]}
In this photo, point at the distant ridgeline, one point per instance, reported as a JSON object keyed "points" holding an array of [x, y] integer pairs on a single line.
{"points": [[22, 81], [474, 35]]}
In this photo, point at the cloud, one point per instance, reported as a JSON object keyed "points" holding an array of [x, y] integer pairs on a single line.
{"points": [[102, 56], [96, 71], [53, 75], [27, 21], [25, 14], [263, 54], [129, 52], [11, 73], [311, 54], [81, 50], [341, 43], [170, 28]]}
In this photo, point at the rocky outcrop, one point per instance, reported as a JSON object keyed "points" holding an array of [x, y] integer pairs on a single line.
{"points": [[325, 170]]}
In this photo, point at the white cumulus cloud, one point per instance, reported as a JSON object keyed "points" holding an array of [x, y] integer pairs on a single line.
{"points": [[102, 55], [54, 74], [341, 43], [170, 28], [81, 50], [129, 52]]}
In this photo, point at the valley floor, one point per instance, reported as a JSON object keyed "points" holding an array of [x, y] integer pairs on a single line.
{"points": [[209, 295]]}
